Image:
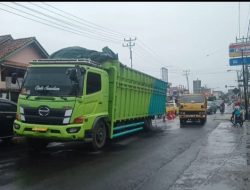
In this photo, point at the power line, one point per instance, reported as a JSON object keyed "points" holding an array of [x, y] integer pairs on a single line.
{"points": [[61, 21], [239, 19], [149, 51], [145, 54], [37, 21], [77, 22], [210, 73], [139, 55], [248, 30], [82, 25], [91, 24], [60, 27], [129, 45], [151, 67], [247, 19], [149, 48]]}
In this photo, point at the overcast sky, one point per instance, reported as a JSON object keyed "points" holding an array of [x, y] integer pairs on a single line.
{"points": [[180, 36]]}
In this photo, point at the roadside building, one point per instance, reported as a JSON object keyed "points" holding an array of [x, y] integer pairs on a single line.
{"points": [[15, 55], [197, 86], [206, 91], [218, 94]]}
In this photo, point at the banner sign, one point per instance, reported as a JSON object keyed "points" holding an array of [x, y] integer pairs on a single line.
{"points": [[238, 61], [235, 50], [235, 53]]}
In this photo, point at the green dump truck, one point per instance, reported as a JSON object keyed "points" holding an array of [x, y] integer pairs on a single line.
{"points": [[78, 99]]}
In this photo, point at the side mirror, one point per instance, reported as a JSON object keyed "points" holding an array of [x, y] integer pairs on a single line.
{"points": [[72, 73], [14, 78]]}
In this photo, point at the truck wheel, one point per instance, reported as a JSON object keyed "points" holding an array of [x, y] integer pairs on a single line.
{"points": [[99, 135], [182, 122], [37, 144], [148, 125], [203, 121]]}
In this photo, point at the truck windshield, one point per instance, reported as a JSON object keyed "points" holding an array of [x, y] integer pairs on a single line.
{"points": [[192, 99], [50, 81]]}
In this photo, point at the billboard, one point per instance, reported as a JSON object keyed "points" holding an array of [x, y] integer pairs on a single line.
{"points": [[236, 51], [239, 61]]}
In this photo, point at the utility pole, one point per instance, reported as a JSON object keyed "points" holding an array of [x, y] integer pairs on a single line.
{"points": [[186, 73], [239, 19], [244, 85], [238, 78], [129, 45], [244, 73]]}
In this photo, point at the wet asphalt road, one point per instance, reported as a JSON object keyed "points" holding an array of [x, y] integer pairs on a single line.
{"points": [[213, 156]]}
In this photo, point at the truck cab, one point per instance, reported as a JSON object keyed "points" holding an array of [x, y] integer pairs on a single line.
{"points": [[61, 102], [192, 107]]}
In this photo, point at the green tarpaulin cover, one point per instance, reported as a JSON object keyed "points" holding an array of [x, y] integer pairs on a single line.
{"points": [[77, 52]]}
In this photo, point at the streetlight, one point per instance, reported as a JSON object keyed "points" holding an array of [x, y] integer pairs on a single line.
{"points": [[238, 79]]}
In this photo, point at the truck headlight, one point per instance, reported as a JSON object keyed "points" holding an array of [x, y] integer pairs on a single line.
{"points": [[73, 129]]}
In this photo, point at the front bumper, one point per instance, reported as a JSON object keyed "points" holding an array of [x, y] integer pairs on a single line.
{"points": [[55, 132]]}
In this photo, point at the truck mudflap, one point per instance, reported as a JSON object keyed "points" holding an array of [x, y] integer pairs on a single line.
{"points": [[59, 132]]}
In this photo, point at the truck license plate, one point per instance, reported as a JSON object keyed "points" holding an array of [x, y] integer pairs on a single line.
{"points": [[42, 129]]}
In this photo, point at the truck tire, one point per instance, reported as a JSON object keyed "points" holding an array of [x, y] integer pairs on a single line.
{"points": [[37, 144], [203, 121], [99, 135], [148, 126], [182, 122]]}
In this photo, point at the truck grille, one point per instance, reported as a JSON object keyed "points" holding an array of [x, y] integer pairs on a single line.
{"points": [[192, 112], [55, 116]]}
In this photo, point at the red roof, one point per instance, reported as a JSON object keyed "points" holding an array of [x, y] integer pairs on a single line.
{"points": [[5, 38], [11, 45]]}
